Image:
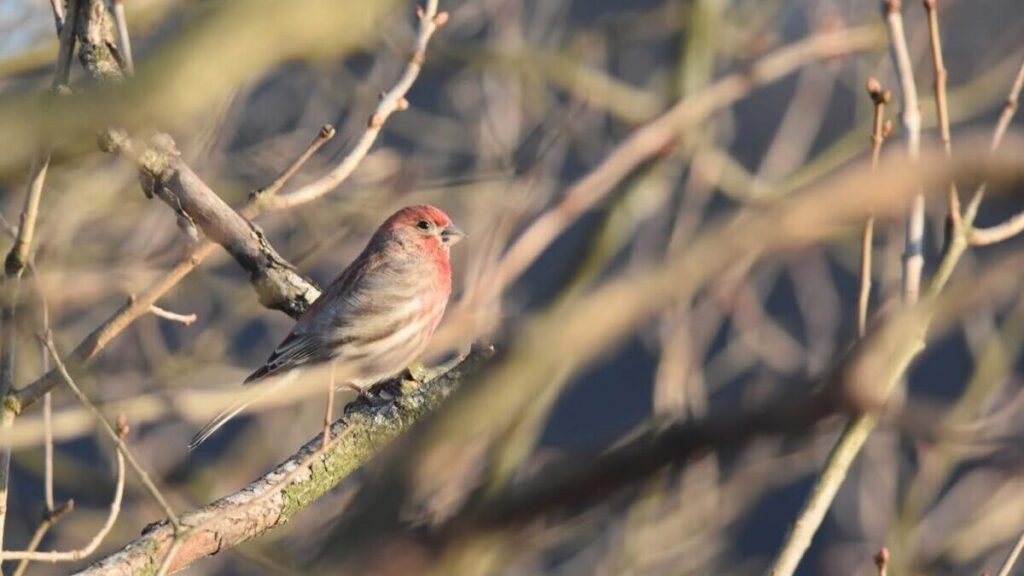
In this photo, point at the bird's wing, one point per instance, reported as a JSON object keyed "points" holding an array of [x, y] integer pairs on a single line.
{"points": [[322, 328], [297, 349]]}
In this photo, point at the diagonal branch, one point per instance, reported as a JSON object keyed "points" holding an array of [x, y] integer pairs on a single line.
{"points": [[273, 499]]}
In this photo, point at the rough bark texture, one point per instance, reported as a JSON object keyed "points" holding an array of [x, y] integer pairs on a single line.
{"points": [[166, 176], [234, 519]]}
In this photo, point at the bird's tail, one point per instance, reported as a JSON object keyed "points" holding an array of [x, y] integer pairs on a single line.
{"points": [[218, 421], [221, 419]]}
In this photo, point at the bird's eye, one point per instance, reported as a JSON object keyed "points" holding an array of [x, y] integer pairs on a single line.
{"points": [[423, 225]]}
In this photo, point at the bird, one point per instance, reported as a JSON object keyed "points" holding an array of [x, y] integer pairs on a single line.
{"points": [[377, 316]]}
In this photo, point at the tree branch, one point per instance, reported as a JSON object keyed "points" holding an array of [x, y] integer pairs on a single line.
{"points": [[276, 497]]}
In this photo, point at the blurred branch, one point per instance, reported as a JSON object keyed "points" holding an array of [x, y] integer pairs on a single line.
{"points": [[941, 104], [235, 519], [14, 265], [1015, 225], [124, 42], [572, 335], [800, 535], [880, 129], [51, 518], [97, 539], [186, 319], [1011, 559], [571, 484], [857, 431], [910, 114], [322, 137], [221, 48], [652, 138], [116, 435]]}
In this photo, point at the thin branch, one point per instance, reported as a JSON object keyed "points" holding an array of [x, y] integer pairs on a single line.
{"points": [[1009, 109], [391, 101], [882, 561], [97, 539], [57, 6], [14, 264], [880, 131], [186, 319], [67, 45], [818, 502], [327, 443], [913, 255], [49, 520], [856, 433], [654, 137], [172, 553], [98, 339], [571, 483], [1011, 559], [124, 42], [999, 232], [322, 137], [114, 435], [1015, 225], [941, 104]]}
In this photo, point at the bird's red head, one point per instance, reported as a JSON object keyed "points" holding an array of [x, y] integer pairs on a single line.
{"points": [[425, 227]]}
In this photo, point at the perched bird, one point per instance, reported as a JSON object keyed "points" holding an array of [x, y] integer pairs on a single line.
{"points": [[378, 315]]}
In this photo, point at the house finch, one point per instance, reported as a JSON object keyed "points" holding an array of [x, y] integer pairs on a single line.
{"points": [[378, 315]]}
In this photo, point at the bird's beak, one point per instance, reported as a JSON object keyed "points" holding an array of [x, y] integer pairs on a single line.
{"points": [[452, 234]]}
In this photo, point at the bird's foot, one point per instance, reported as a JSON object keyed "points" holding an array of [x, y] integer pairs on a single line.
{"points": [[372, 396], [417, 373]]}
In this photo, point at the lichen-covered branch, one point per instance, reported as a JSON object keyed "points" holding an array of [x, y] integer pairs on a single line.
{"points": [[269, 502]]}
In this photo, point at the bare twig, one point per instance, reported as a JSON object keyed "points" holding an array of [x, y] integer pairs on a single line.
{"points": [[124, 42], [1015, 225], [572, 483], [322, 137], [49, 520], [98, 339], [882, 561], [14, 265], [52, 514], [58, 14], [879, 132], [654, 137], [856, 432], [913, 256], [1009, 109], [172, 553], [1011, 559], [186, 319], [97, 539], [391, 101], [998, 233], [941, 105], [114, 435]]}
